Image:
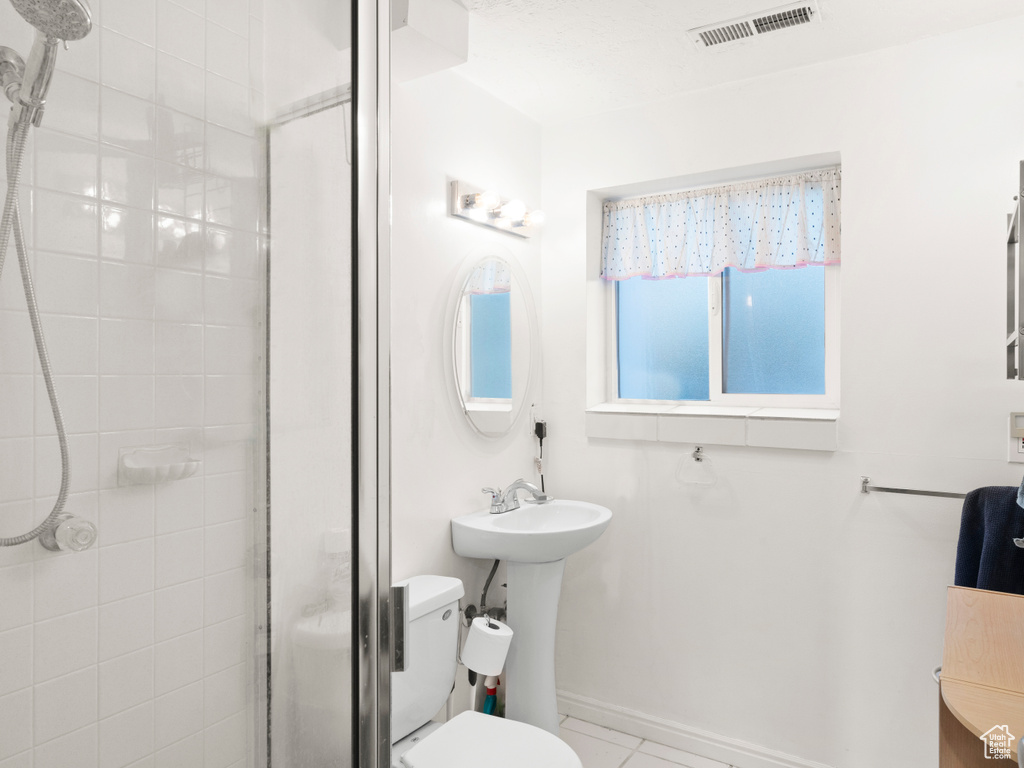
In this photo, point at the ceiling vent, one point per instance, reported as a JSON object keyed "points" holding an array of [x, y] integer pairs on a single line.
{"points": [[754, 25]]}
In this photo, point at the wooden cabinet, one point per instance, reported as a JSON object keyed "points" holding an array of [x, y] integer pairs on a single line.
{"points": [[982, 688]]}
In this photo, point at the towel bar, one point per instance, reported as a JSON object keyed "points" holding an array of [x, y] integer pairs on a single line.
{"points": [[866, 488]]}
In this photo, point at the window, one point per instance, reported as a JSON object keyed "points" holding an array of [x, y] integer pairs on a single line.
{"points": [[490, 346], [727, 295]]}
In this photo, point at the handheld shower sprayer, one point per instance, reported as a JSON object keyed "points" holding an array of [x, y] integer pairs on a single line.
{"points": [[26, 82], [26, 85]]}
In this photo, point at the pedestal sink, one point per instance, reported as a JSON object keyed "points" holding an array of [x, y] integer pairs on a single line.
{"points": [[534, 541]]}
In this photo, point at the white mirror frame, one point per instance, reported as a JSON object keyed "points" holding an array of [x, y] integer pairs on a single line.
{"points": [[451, 338]]}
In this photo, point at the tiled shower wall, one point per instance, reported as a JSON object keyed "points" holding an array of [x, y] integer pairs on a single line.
{"points": [[142, 209]]}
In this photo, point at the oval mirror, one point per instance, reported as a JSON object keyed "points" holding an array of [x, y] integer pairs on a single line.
{"points": [[492, 342]]}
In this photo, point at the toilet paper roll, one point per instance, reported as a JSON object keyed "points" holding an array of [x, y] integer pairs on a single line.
{"points": [[486, 646]]}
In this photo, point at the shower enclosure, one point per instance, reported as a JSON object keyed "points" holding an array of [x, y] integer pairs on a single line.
{"points": [[199, 202]]}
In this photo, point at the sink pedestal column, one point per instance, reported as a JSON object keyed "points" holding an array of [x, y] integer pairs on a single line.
{"points": [[533, 591]]}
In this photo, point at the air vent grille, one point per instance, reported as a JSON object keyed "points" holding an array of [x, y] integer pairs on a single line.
{"points": [[726, 34], [782, 20], [754, 25]]}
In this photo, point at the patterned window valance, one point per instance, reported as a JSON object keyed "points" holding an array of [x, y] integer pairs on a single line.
{"points": [[780, 222]]}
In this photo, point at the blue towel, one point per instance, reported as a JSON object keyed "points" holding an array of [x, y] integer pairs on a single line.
{"points": [[986, 555]]}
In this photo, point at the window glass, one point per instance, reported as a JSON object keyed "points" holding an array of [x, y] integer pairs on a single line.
{"points": [[490, 341], [663, 338], [773, 331]]}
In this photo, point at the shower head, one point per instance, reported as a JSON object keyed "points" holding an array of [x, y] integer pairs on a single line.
{"points": [[59, 19], [54, 20]]}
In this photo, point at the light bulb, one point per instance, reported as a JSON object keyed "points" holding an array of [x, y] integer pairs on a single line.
{"points": [[489, 200], [534, 218], [514, 210]]}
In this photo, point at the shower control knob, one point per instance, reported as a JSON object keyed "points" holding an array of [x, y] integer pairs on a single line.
{"points": [[71, 534]]}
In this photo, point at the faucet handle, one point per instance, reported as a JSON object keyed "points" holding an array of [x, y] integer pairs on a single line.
{"points": [[495, 493]]}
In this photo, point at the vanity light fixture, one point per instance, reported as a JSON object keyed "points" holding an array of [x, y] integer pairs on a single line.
{"points": [[490, 209]]}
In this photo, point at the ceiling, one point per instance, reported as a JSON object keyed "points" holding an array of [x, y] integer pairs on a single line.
{"points": [[559, 59]]}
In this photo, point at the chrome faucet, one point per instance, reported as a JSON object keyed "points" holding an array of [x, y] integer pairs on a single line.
{"points": [[507, 500]]}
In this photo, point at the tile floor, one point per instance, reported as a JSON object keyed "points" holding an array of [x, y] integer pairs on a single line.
{"points": [[604, 748]]}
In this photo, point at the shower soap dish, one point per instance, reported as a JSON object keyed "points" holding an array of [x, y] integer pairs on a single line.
{"points": [[155, 464]]}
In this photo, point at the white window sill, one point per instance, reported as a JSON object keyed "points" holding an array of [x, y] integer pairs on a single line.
{"points": [[490, 416], [811, 429]]}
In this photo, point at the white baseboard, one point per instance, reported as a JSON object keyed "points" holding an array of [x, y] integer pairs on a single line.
{"points": [[734, 752]]}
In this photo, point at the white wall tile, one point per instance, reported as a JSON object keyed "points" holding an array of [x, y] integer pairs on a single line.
{"points": [[178, 401], [76, 749], [126, 402], [180, 192], [226, 644], [229, 448], [179, 610], [126, 177], [179, 296], [48, 464], [230, 399], [125, 626], [127, 121], [179, 714], [64, 644], [125, 682], [226, 547], [65, 163], [126, 346], [16, 422], [187, 752], [126, 570], [64, 223], [126, 514], [126, 234], [18, 517], [227, 497], [178, 348], [227, 52], [17, 353], [233, 14], [225, 693], [231, 253], [179, 557], [179, 662], [15, 723], [65, 704], [17, 461], [79, 402], [73, 343], [64, 583], [230, 349], [128, 65], [181, 84], [66, 284], [16, 585], [225, 742], [227, 104], [224, 595], [126, 736], [181, 33], [179, 505], [16, 652], [83, 56], [127, 290], [72, 105], [133, 18]]}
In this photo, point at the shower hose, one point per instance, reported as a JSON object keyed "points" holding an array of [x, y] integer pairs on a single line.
{"points": [[17, 138]]}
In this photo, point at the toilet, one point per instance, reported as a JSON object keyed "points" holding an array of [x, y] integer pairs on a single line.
{"points": [[471, 739]]}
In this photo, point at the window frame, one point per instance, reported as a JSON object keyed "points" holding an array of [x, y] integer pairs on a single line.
{"points": [[828, 400], [756, 421]]}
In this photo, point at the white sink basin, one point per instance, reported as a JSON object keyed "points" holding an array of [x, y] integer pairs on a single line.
{"points": [[534, 533]]}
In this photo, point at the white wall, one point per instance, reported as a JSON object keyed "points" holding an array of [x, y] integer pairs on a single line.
{"points": [[144, 224], [781, 607], [446, 128]]}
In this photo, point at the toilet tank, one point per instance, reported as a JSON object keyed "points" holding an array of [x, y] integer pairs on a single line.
{"points": [[431, 653]]}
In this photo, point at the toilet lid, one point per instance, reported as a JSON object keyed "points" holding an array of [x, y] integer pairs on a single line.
{"points": [[473, 739]]}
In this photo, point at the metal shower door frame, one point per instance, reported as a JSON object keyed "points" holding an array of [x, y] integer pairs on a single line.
{"points": [[372, 634]]}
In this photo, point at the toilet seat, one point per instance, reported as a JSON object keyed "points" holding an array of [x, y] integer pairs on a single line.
{"points": [[473, 739]]}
